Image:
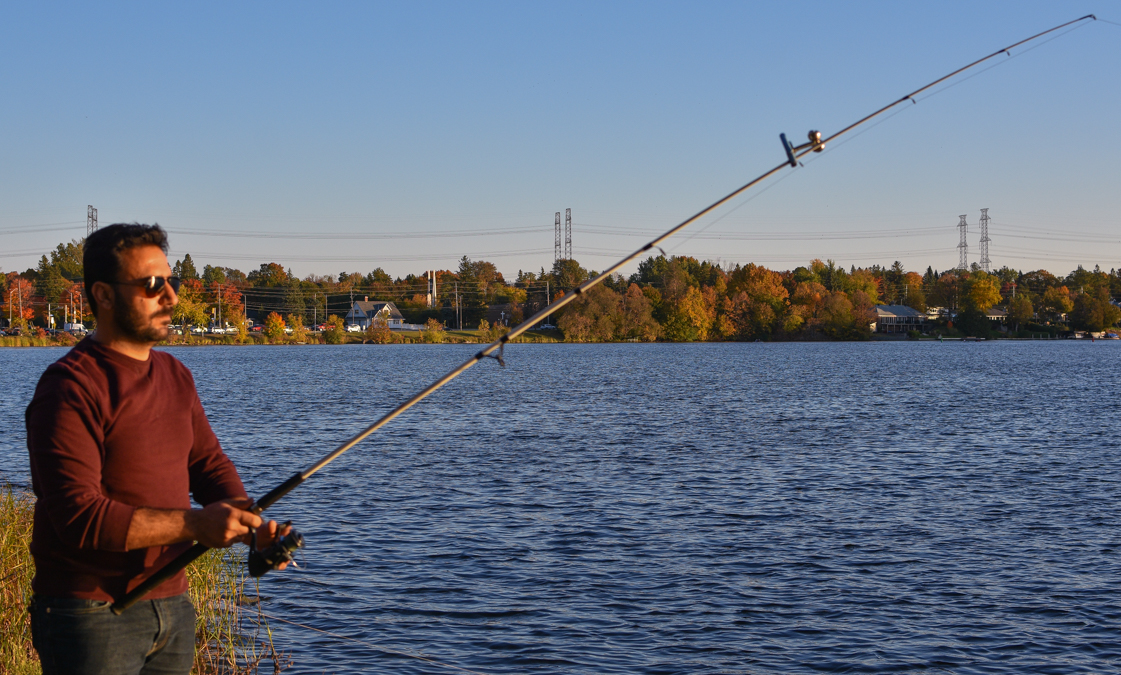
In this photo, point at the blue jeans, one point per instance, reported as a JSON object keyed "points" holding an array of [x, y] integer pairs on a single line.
{"points": [[83, 636]]}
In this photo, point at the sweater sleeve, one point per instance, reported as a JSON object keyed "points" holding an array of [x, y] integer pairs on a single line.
{"points": [[213, 476], [64, 440]]}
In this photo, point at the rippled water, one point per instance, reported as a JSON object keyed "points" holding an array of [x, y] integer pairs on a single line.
{"points": [[701, 508]]}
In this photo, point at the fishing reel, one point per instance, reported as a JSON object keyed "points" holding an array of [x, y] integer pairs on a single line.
{"points": [[274, 556], [792, 151]]}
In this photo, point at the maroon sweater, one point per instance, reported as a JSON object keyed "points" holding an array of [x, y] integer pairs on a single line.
{"points": [[107, 434]]}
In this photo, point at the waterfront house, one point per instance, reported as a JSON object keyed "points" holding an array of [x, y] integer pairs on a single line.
{"points": [[898, 319], [364, 311]]}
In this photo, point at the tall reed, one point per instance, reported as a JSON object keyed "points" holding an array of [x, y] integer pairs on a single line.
{"points": [[228, 638], [16, 654]]}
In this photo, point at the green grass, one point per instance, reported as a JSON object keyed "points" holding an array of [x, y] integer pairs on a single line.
{"points": [[228, 637]]}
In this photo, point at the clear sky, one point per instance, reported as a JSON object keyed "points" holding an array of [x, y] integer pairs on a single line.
{"points": [[324, 132]]}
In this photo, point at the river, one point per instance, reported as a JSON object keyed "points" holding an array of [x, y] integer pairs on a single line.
{"points": [[681, 508]]}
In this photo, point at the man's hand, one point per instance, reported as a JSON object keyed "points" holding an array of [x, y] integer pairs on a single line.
{"points": [[268, 534], [222, 524], [218, 525]]}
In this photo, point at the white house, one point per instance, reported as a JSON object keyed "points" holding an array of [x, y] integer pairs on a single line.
{"points": [[364, 311]]}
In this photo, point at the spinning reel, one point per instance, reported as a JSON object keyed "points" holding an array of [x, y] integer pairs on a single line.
{"points": [[274, 556]]}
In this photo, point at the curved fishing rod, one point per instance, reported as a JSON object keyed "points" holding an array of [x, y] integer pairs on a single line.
{"points": [[793, 153]]}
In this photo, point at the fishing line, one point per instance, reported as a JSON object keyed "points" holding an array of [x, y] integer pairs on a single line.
{"points": [[865, 130], [495, 350], [387, 650], [1000, 63]]}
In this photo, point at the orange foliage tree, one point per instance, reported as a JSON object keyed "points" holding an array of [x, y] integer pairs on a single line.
{"points": [[17, 301], [274, 327]]}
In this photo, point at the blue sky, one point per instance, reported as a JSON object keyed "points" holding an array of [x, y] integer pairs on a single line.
{"points": [[328, 130]]}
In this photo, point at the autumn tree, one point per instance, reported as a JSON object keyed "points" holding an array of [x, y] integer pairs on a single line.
{"points": [[636, 321], [229, 301], [1094, 312], [269, 275], [914, 297], [274, 327], [757, 301], [213, 275], [192, 309], [595, 316], [378, 332], [1020, 311], [1057, 302], [947, 291], [983, 291], [299, 331], [17, 302], [433, 332], [689, 318]]}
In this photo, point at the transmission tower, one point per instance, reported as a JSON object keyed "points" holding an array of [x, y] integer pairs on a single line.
{"points": [[557, 240], [985, 262], [568, 234], [963, 246], [91, 220]]}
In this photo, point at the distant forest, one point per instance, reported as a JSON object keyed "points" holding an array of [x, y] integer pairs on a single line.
{"points": [[668, 298]]}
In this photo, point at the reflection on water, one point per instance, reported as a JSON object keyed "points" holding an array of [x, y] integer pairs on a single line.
{"points": [[710, 508]]}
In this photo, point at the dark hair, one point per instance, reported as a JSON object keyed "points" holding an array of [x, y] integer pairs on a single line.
{"points": [[101, 255]]}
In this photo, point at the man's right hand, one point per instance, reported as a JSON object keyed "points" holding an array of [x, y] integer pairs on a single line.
{"points": [[223, 524], [218, 525]]}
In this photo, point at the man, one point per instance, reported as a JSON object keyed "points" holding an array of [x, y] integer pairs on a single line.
{"points": [[119, 444]]}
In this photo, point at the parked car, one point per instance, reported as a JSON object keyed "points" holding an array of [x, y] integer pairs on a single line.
{"points": [[546, 326], [257, 329], [353, 328]]}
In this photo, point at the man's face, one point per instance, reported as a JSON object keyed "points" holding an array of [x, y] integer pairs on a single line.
{"points": [[137, 316]]}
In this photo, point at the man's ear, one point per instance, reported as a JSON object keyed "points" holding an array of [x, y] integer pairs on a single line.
{"points": [[104, 295]]}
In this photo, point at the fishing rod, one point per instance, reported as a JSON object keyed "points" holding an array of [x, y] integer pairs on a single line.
{"points": [[260, 562]]}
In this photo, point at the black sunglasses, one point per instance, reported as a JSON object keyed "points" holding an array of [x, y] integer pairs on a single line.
{"points": [[152, 286]]}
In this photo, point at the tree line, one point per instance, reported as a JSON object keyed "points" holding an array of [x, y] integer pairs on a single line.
{"points": [[677, 298]]}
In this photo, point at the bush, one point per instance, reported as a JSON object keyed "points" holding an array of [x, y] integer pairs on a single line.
{"points": [[335, 333], [433, 332], [378, 333]]}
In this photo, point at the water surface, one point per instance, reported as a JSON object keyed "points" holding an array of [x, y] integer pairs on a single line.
{"points": [[694, 508]]}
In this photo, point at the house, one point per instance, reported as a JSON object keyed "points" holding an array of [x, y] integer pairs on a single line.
{"points": [[998, 318], [898, 319], [364, 311]]}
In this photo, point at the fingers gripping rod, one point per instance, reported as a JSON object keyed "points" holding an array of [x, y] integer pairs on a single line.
{"points": [[793, 153]]}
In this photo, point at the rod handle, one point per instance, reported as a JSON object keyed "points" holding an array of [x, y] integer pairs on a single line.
{"points": [[276, 493], [161, 575]]}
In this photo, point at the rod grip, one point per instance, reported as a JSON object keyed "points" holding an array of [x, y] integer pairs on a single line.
{"points": [[276, 493], [161, 575]]}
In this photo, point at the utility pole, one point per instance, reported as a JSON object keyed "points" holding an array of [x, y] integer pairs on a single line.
{"points": [[557, 238], [458, 318], [568, 234], [963, 246], [986, 264], [91, 220]]}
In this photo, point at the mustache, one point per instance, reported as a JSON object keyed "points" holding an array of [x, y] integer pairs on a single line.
{"points": [[163, 312]]}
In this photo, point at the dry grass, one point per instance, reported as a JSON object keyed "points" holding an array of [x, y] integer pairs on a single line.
{"points": [[229, 639], [16, 655]]}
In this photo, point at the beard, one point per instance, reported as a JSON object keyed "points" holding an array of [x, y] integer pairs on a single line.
{"points": [[137, 326]]}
